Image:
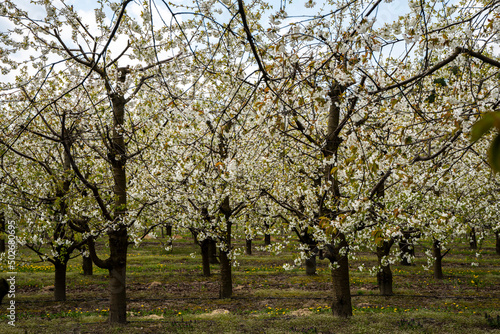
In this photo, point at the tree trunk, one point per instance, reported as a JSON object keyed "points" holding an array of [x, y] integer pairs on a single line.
{"points": [[195, 237], [2, 232], [438, 268], [4, 288], [384, 275], [267, 239], [212, 251], [118, 300], [341, 293], [311, 265], [341, 304], [170, 241], [87, 266], [226, 279], [60, 281], [473, 239], [205, 257], [118, 244], [497, 236], [384, 280], [118, 235], [248, 247], [226, 276]]}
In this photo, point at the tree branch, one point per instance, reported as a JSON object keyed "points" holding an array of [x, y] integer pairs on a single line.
{"points": [[430, 157], [439, 65], [250, 40], [380, 183]]}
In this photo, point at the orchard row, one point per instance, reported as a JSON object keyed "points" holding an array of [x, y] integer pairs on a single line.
{"points": [[339, 128]]}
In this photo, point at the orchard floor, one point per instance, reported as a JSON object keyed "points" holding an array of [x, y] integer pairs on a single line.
{"points": [[168, 294]]}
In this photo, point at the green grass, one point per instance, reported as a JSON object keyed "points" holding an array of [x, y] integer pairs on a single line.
{"points": [[267, 299], [422, 321]]}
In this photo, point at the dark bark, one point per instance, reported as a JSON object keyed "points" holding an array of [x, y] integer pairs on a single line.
{"points": [[226, 276], [195, 236], [311, 265], [212, 252], [87, 266], [341, 293], [60, 281], [473, 239], [384, 275], [62, 231], [226, 279], [248, 248], [438, 257], [267, 239], [118, 244], [118, 296], [341, 303], [497, 236], [168, 234], [205, 257], [4, 288], [442, 63], [118, 237]]}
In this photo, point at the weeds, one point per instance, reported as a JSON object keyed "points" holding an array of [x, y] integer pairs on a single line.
{"points": [[310, 330], [409, 324], [492, 322], [285, 301]]}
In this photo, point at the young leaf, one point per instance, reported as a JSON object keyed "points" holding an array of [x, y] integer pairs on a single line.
{"points": [[431, 98], [482, 126], [494, 153], [440, 81]]}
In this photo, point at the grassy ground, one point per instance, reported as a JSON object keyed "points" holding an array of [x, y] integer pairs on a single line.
{"points": [[168, 294]]}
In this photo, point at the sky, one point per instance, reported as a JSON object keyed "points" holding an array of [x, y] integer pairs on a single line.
{"points": [[85, 8]]}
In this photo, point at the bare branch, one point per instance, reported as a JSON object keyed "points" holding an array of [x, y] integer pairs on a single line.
{"points": [[380, 183], [250, 40], [439, 65], [435, 155]]}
